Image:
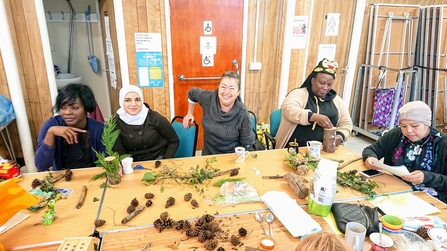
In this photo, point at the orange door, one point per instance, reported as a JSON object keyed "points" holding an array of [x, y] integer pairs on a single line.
{"points": [[209, 21]]}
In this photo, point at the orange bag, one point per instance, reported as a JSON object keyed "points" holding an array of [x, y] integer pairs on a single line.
{"points": [[13, 198]]}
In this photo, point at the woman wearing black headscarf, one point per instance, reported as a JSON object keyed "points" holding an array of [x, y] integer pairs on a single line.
{"points": [[308, 110]]}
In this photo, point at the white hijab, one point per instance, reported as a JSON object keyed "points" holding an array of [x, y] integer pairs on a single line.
{"points": [[128, 118]]}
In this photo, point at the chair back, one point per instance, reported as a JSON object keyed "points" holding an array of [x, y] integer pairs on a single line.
{"points": [[188, 137], [253, 120], [275, 120]]}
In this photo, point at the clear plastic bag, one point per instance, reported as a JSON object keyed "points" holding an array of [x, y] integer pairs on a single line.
{"points": [[6, 111], [234, 193]]}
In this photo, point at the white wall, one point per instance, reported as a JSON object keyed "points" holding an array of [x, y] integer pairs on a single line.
{"points": [[59, 37]]}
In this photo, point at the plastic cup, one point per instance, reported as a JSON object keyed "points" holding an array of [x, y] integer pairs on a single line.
{"points": [[127, 165]]}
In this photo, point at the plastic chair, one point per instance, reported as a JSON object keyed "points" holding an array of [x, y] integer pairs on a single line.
{"points": [[188, 138], [275, 120], [253, 120]]}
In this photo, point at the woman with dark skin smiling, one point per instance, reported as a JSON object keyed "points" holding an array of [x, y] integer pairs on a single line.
{"points": [[308, 110], [417, 146], [67, 140]]}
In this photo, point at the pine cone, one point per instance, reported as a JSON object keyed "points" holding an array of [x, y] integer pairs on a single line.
{"points": [[36, 183], [182, 225], [234, 240], [157, 164], [99, 222], [192, 233], [130, 209], [68, 175], [242, 232], [170, 202], [211, 244], [134, 202], [158, 224], [149, 196], [165, 169], [187, 197], [302, 170], [220, 249], [148, 203], [164, 216], [234, 172], [194, 203], [202, 236]]}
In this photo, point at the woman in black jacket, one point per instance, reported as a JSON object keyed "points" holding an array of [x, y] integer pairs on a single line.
{"points": [[416, 145], [144, 133]]}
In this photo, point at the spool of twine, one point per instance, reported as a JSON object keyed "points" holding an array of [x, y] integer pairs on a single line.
{"points": [[329, 139]]}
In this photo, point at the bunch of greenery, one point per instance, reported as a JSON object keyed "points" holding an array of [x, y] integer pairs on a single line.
{"points": [[352, 180], [195, 176], [109, 160]]}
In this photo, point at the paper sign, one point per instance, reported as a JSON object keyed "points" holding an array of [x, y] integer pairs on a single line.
{"points": [[396, 170], [332, 23], [207, 27], [208, 45]]}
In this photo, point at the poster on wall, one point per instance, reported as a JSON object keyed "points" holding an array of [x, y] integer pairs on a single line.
{"points": [[332, 23], [299, 32], [149, 59], [326, 51], [110, 55]]}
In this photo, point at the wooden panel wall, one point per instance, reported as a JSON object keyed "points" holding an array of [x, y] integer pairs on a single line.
{"points": [[147, 16], [27, 41]]}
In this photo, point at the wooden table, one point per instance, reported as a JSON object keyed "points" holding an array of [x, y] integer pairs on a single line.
{"points": [[72, 222], [169, 239]]}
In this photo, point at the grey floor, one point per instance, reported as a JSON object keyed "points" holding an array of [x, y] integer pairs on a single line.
{"points": [[358, 143]]}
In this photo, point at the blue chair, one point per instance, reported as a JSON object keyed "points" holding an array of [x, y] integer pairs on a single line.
{"points": [[253, 120], [275, 120], [188, 137]]}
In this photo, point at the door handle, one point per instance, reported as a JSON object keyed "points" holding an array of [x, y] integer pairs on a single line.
{"points": [[182, 78]]}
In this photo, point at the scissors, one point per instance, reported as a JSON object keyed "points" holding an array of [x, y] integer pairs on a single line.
{"points": [[140, 167]]}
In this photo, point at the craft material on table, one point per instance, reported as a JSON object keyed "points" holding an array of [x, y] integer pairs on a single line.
{"points": [[291, 215], [405, 204]]}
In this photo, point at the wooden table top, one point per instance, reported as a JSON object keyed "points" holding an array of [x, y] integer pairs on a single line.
{"points": [[72, 222]]}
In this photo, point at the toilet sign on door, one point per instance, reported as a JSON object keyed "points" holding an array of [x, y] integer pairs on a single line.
{"points": [[207, 27]]}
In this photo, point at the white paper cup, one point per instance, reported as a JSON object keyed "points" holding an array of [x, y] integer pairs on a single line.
{"points": [[127, 165]]}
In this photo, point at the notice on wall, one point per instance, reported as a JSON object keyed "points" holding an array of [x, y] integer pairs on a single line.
{"points": [[299, 32], [110, 55], [332, 23], [326, 51], [149, 58]]}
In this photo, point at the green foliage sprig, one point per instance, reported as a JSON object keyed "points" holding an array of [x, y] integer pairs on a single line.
{"points": [[109, 160], [194, 177], [352, 180]]}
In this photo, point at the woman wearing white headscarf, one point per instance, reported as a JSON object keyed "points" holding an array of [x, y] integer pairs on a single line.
{"points": [[144, 133], [417, 146]]}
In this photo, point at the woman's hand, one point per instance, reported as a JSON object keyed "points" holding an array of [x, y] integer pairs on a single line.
{"points": [[416, 177], [186, 119], [371, 163], [322, 120], [69, 133]]}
